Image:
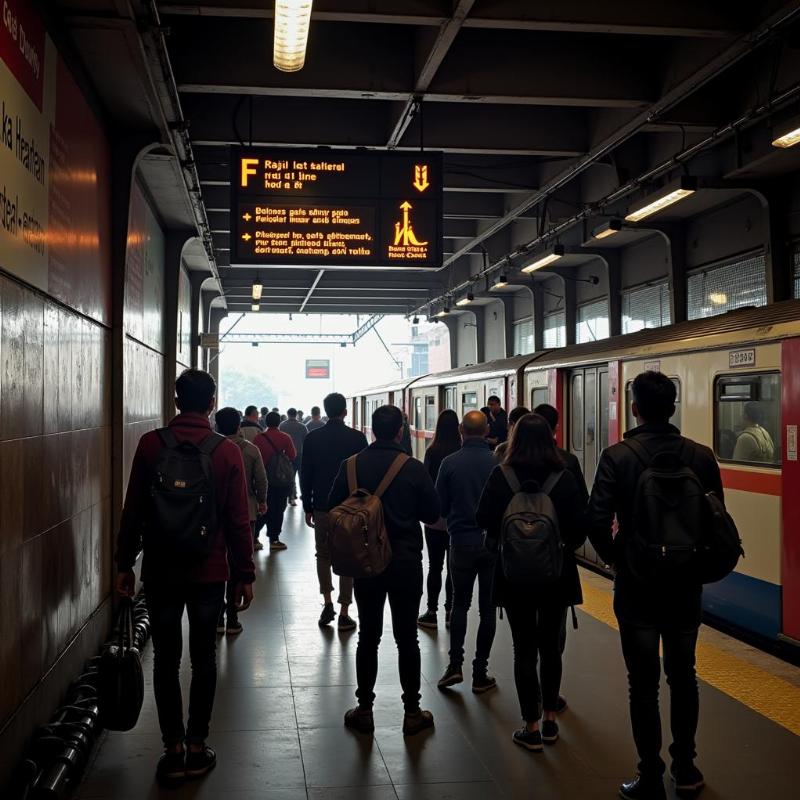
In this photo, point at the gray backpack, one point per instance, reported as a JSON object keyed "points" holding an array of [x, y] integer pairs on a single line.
{"points": [[531, 550]]}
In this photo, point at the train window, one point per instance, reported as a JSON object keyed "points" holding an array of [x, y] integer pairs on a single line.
{"points": [[577, 413], [430, 413], [539, 396], [418, 419], [451, 398], [747, 418], [469, 401], [629, 418]]}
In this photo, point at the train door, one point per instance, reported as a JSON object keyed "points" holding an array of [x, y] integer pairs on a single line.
{"points": [[588, 424], [450, 398]]}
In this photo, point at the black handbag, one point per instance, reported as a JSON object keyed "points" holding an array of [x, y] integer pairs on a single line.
{"points": [[120, 676]]}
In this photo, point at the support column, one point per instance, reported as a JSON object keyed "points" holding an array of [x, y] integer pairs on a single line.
{"points": [[480, 333], [175, 241], [538, 317], [614, 272], [216, 316], [675, 237], [196, 282], [508, 324], [776, 204], [452, 322]]}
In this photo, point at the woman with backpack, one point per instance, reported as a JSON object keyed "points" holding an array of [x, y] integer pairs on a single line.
{"points": [[446, 440], [534, 513]]}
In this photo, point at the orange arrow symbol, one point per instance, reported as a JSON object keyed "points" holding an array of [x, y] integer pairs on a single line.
{"points": [[421, 182], [247, 217], [247, 237]]}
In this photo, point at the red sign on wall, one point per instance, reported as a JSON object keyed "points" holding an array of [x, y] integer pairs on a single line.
{"points": [[22, 46], [318, 368]]}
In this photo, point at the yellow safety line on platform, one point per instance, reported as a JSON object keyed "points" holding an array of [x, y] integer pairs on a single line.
{"points": [[767, 694]]}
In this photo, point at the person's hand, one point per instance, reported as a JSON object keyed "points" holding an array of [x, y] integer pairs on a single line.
{"points": [[262, 508], [125, 583], [309, 519], [243, 596]]}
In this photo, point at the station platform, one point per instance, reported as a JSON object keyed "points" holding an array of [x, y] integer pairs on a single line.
{"points": [[284, 685]]}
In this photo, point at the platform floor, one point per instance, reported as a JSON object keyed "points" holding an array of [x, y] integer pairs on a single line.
{"points": [[284, 685]]}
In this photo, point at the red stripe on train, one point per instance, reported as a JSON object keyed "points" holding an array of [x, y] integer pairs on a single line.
{"points": [[756, 482]]}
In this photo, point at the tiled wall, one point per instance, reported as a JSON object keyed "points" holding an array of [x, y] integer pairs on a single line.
{"points": [[55, 529]]}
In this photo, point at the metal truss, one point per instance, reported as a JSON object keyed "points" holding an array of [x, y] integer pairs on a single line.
{"points": [[342, 339]]}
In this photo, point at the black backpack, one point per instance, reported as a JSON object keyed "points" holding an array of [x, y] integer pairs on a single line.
{"points": [[183, 519], [531, 550], [280, 472], [680, 531]]}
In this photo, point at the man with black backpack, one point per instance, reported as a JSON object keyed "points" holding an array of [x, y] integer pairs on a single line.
{"points": [[407, 496], [656, 483], [186, 508]]}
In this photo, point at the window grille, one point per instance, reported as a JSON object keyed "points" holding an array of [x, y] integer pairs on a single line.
{"points": [[555, 330], [523, 337], [796, 294], [592, 322], [732, 285], [645, 307]]}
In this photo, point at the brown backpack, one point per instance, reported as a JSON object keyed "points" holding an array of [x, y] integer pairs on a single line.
{"points": [[357, 539]]}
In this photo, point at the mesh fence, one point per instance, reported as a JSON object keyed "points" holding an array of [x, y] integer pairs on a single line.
{"points": [[726, 287], [645, 307]]}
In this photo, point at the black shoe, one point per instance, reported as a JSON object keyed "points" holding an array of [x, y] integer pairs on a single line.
{"points": [[483, 683], [530, 740], [688, 779], [221, 626], [451, 677], [171, 767], [346, 623], [416, 722], [199, 764], [641, 788], [233, 628], [360, 719], [561, 705], [549, 731], [277, 545], [428, 620], [328, 615]]}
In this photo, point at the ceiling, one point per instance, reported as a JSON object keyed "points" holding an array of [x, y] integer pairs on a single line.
{"points": [[540, 108]]}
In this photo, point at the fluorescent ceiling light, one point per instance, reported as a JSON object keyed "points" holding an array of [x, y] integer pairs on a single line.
{"points": [[607, 229], [466, 300], [257, 289], [443, 312], [718, 298], [255, 306], [292, 21], [787, 134], [500, 283], [670, 194], [545, 259]]}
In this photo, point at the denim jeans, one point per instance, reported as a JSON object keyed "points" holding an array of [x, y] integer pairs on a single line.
{"points": [[438, 544], [468, 562], [165, 604], [402, 585], [640, 645]]}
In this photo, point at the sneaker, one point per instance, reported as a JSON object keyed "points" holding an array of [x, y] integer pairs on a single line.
{"points": [[549, 731], [328, 615], [452, 676], [346, 623], [293, 503], [233, 628], [221, 627], [561, 705], [688, 779], [360, 719], [641, 788], [171, 767], [199, 764], [259, 545], [428, 620], [277, 545], [416, 722], [483, 683], [530, 740]]}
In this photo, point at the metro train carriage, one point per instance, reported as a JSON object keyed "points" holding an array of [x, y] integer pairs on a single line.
{"points": [[720, 366]]}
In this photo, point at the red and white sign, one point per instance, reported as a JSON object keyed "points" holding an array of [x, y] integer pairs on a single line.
{"points": [[22, 46]]}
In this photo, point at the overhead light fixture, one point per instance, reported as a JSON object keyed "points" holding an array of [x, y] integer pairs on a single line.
{"points": [[292, 21], [255, 306], [607, 229], [671, 193], [501, 282], [443, 311], [545, 259], [258, 287], [787, 134], [466, 300], [415, 321], [718, 298]]}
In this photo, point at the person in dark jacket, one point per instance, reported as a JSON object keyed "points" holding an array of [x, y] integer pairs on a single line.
{"points": [[446, 440], [514, 416], [410, 499], [649, 612], [498, 422], [271, 442], [535, 615], [251, 426], [460, 483], [405, 440], [172, 584], [325, 449]]}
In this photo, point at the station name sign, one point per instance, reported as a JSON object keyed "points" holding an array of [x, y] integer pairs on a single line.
{"points": [[312, 207]]}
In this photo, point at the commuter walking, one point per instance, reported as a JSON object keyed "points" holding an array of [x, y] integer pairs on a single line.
{"points": [[446, 440], [326, 447], [183, 567], [460, 483], [498, 421], [251, 427], [262, 419], [405, 440], [278, 453], [653, 609], [316, 419], [528, 500], [408, 500], [514, 416], [298, 432]]}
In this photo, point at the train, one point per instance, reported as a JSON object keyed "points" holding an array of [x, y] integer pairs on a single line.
{"points": [[723, 367]]}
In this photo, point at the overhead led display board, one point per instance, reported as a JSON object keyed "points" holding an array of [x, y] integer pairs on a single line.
{"points": [[321, 207], [318, 368]]}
